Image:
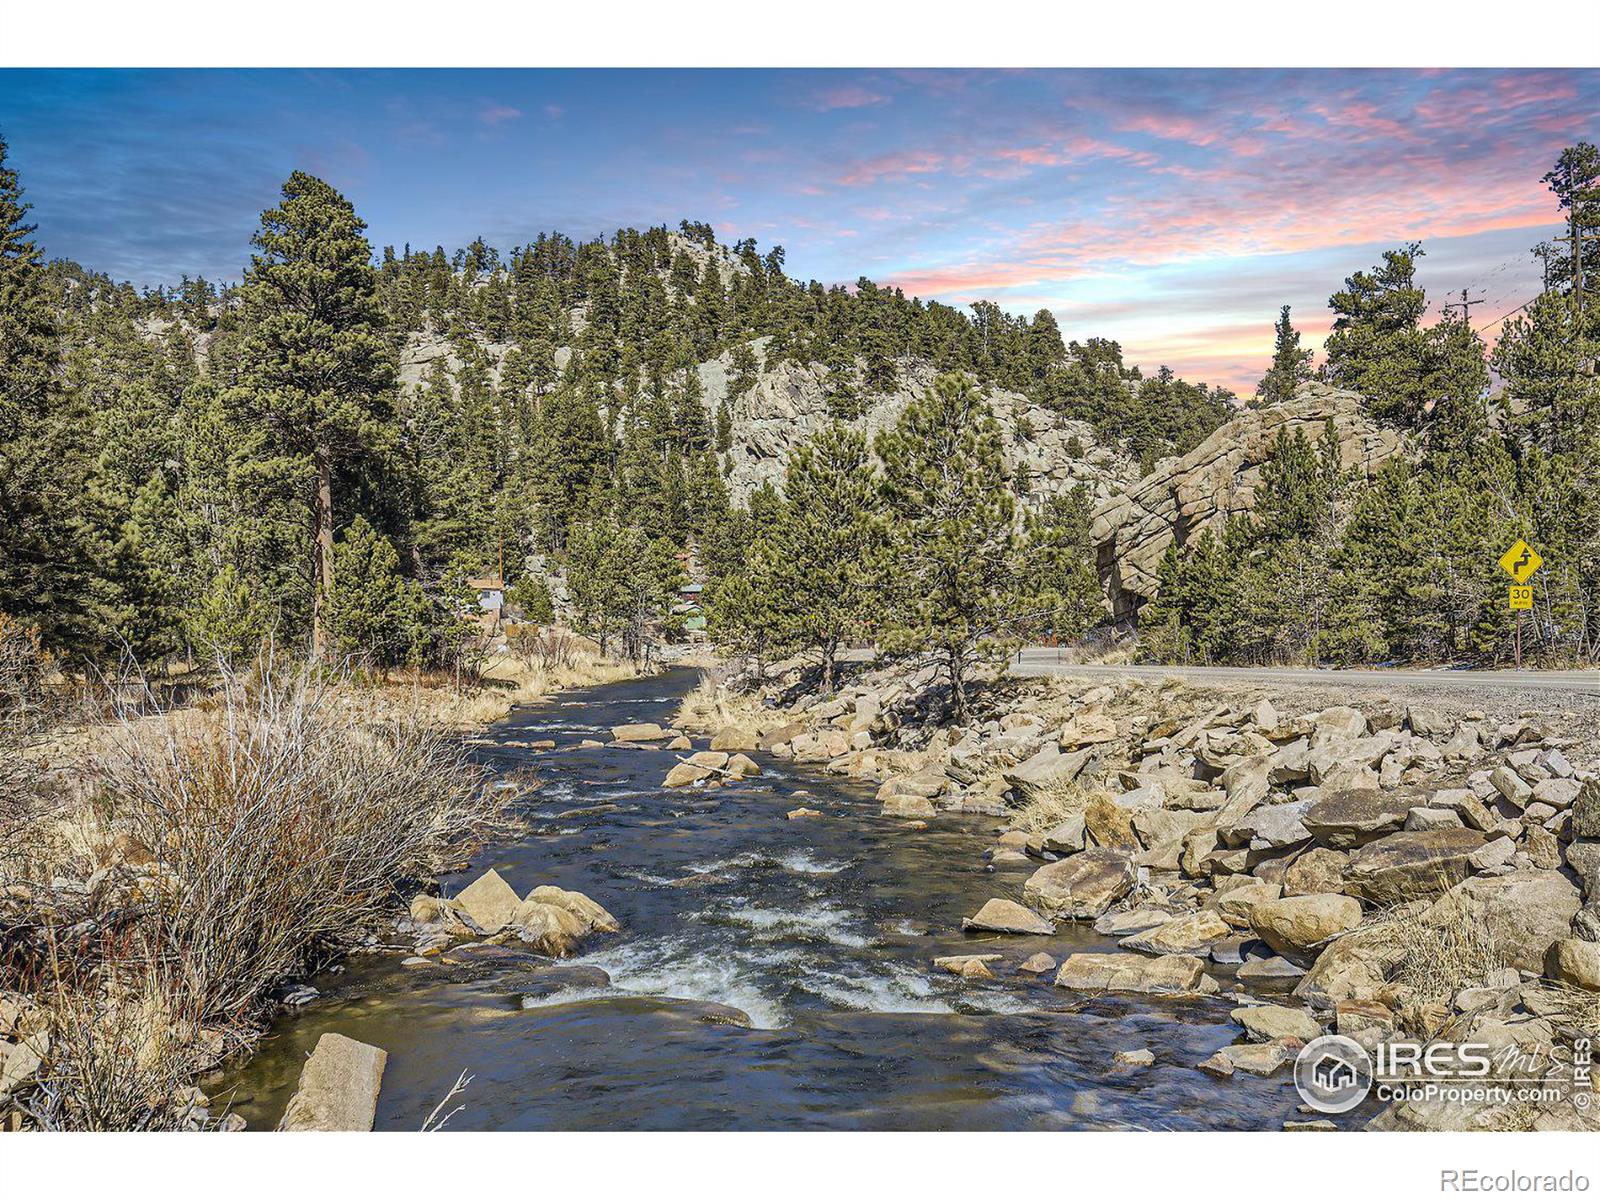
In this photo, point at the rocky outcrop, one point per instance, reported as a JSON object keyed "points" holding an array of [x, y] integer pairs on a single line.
{"points": [[1184, 497], [789, 403]]}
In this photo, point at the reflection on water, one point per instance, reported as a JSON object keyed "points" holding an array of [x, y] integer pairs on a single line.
{"points": [[822, 931]]}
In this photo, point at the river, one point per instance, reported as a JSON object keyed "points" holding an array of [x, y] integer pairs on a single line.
{"points": [[822, 930]]}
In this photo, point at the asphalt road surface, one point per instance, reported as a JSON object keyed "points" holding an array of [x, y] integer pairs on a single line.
{"points": [[1042, 660]]}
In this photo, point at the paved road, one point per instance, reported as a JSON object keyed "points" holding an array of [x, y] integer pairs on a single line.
{"points": [[1041, 660]]}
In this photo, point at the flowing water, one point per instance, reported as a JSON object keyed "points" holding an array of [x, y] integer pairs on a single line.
{"points": [[822, 930]]}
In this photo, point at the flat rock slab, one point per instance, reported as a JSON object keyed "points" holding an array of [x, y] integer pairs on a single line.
{"points": [[1178, 973], [1187, 934], [644, 731], [338, 1088], [1007, 916], [1406, 866], [1348, 819], [1273, 1022]]}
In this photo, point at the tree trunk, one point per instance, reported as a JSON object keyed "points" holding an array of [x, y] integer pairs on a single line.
{"points": [[958, 686], [827, 667], [322, 576]]}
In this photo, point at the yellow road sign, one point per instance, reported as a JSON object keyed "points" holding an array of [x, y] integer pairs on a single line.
{"points": [[1521, 597], [1521, 561]]}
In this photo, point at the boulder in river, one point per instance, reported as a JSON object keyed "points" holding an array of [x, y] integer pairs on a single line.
{"points": [[1081, 887], [338, 1090], [642, 731], [1007, 916], [595, 918], [548, 928], [1176, 973], [796, 814], [907, 806], [684, 774], [488, 902], [743, 766]]}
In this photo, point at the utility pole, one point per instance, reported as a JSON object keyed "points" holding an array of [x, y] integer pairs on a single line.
{"points": [[1576, 239], [1465, 306]]}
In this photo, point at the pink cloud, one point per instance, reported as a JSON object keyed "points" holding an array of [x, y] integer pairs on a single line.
{"points": [[850, 95]]}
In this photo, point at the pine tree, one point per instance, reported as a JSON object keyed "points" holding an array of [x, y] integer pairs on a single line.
{"points": [[313, 392], [369, 611], [1291, 366], [1377, 346], [51, 567], [827, 546], [954, 526]]}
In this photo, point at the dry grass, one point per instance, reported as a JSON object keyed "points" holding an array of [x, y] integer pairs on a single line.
{"points": [[1435, 958], [244, 842], [1047, 807], [117, 1060], [710, 706]]}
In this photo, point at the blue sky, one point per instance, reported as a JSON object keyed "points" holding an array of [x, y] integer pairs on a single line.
{"points": [[1173, 210]]}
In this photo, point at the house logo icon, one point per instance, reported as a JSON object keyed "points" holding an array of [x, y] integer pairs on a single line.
{"points": [[1333, 1074]]}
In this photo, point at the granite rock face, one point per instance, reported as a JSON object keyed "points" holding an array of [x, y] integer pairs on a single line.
{"points": [[1184, 497]]}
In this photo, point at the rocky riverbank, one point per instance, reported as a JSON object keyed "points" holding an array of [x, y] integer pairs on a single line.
{"points": [[1386, 870], [127, 837]]}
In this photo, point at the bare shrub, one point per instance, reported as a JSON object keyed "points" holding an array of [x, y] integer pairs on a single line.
{"points": [[278, 827], [548, 649], [116, 1060]]}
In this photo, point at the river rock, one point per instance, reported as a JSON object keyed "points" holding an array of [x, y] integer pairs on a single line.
{"points": [[743, 766], [957, 963], [1134, 1058], [1007, 916], [1296, 925], [1273, 1022], [1574, 962], [684, 774], [1404, 866], [1081, 887], [1236, 904], [595, 918], [820, 745], [732, 738], [338, 1089], [1038, 964], [1347, 819], [714, 760], [1184, 935], [547, 981], [1175, 973], [796, 814], [911, 807], [1253, 1058], [488, 902], [1521, 914], [549, 928], [1511, 786], [1586, 810], [643, 731]]}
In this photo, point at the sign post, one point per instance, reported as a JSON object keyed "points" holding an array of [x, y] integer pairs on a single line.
{"points": [[1520, 562]]}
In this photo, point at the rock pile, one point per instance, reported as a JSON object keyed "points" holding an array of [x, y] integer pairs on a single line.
{"points": [[550, 920], [1381, 872]]}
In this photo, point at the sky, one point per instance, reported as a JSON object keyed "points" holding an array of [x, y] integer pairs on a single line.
{"points": [[1172, 210]]}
